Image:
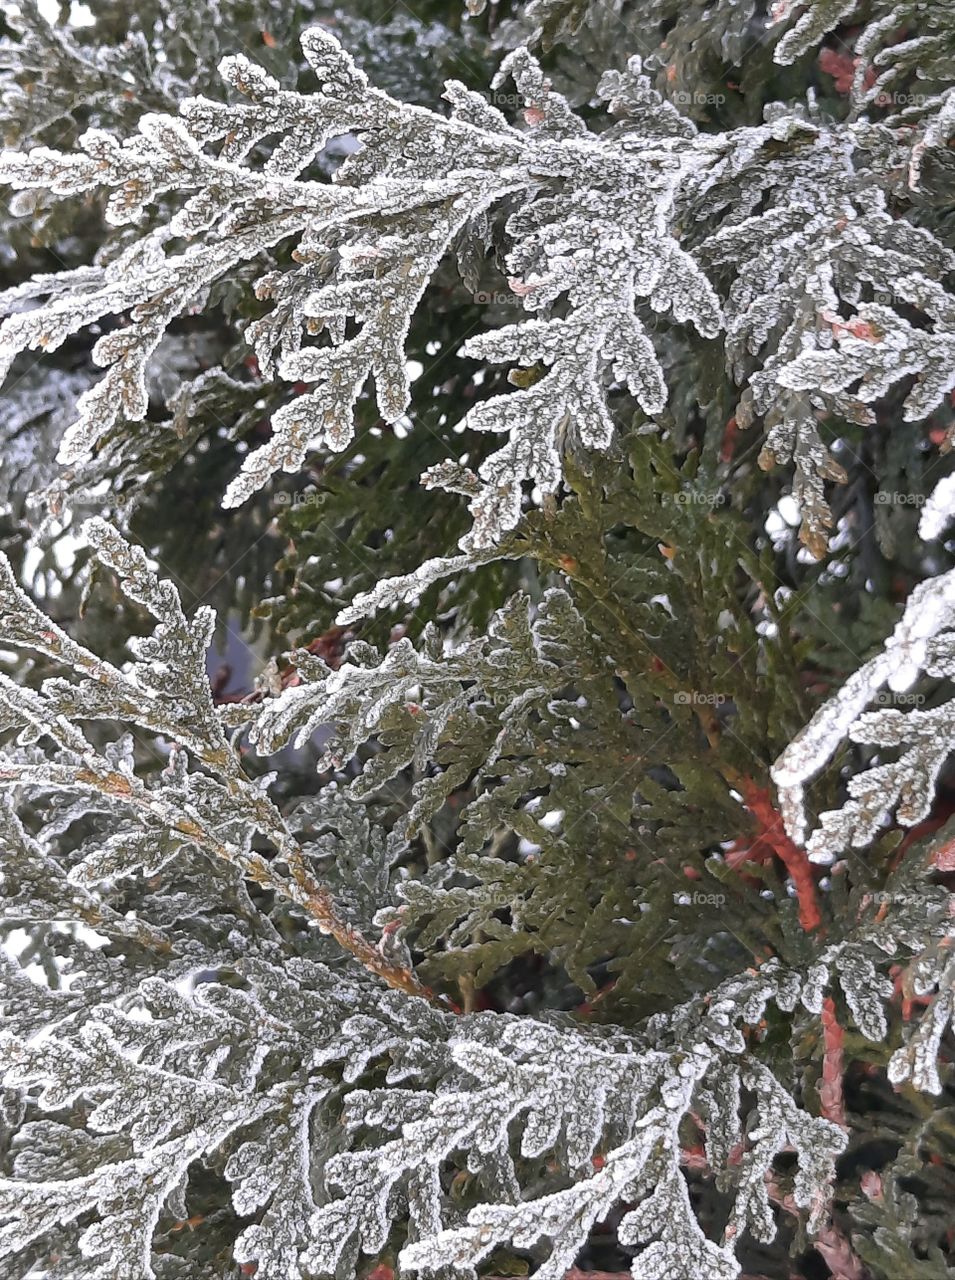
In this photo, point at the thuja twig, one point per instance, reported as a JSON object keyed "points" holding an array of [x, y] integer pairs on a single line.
{"points": [[301, 887]]}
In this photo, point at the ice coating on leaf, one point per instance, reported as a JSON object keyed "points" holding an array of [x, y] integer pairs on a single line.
{"points": [[281, 1187], [939, 510], [900, 39], [864, 988], [594, 241], [591, 223], [480, 1091], [879, 347], [917, 1060], [522, 1074], [393, 591], [794, 436], [215, 810], [343, 1117], [921, 642], [798, 246], [814, 20], [417, 697]]}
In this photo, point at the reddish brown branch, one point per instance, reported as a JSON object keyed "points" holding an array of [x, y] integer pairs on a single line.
{"points": [[833, 1065], [771, 841]]}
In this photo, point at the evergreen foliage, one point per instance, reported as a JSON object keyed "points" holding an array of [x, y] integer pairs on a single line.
{"points": [[565, 878]]}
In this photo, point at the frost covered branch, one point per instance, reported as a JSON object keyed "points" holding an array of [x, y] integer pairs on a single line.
{"points": [[592, 222], [216, 811], [921, 644]]}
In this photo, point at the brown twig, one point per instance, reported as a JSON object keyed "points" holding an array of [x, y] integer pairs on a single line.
{"points": [[833, 1065], [300, 886], [772, 841]]}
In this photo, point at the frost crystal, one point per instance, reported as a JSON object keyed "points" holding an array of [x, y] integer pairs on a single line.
{"points": [[922, 642], [333, 1107], [456, 943], [594, 224], [591, 221]]}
